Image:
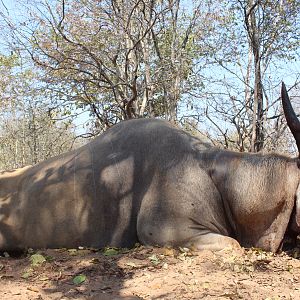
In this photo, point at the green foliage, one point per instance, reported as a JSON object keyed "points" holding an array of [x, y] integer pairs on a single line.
{"points": [[248, 50], [79, 279], [126, 59], [117, 59], [37, 260], [28, 132], [111, 251], [27, 274], [8, 62]]}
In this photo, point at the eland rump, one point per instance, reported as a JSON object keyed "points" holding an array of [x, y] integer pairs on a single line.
{"points": [[147, 181]]}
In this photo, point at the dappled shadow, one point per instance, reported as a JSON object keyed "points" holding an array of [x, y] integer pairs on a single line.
{"points": [[152, 273], [141, 181], [258, 196], [54, 277], [92, 196], [105, 279]]}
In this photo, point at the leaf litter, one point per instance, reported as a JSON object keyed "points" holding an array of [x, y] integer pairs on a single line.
{"points": [[150, 273]]}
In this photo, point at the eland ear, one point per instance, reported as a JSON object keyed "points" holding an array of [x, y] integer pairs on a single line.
{"points": [[295, 217], [297, 208]]}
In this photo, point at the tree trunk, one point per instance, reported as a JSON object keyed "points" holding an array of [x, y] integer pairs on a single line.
{"points": [[258, 99], [257, 139]]}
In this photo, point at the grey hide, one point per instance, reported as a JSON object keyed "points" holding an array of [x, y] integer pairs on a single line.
{"points": [[146, 181]]}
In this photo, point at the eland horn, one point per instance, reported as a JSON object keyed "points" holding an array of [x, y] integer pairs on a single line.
{"points": [[290, 116]]}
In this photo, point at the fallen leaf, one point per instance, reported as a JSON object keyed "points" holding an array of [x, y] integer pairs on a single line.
{"points": [[6, 276], [111, 251], [168, 252], [184, 249], [79, 279], [156, 286], [153, 258], [26, 274], [205, 285], [44, 278], [165, 266], [131, 264], [37, 260], [72, 251], [33, 289], [49, 258]]}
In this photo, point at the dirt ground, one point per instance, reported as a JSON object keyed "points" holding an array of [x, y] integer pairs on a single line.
{"points": [[150, 273]]}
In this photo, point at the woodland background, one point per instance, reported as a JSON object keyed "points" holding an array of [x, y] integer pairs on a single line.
{"points": [[70, 69]]}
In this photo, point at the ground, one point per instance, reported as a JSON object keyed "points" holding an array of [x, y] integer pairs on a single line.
{"points": [[150, 273]]}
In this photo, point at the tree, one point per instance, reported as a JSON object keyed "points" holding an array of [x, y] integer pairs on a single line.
{"points": [[254, 38], [118, 59], [268, 26], [209, 62], [28, 135]]}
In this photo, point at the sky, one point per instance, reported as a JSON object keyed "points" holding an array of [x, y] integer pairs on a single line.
{"points": [[287, 71]]}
